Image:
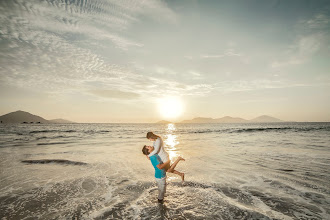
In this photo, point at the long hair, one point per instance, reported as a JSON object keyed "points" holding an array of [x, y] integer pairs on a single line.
{"points": [[152, 135]]}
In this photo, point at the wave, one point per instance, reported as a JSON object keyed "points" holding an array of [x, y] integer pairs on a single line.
{"points": [[265, 129], [296, 129], [262, 129], [68, 131], [43, 131], [138, 200], [286, 170], [51, 131], [54, 137], [54, 143], [58, 161]]}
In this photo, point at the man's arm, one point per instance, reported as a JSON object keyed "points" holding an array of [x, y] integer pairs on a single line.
{"points": [[162, 165], [156, 147]]}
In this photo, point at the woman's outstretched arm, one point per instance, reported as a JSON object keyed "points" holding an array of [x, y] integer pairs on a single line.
{"points": [[156, 147]]}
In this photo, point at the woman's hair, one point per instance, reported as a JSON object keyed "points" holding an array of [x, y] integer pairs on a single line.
{"points": [[152, 135], [145, 151]]}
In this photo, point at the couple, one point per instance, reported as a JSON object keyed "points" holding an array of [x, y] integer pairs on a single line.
{"points": [[160, 161]]}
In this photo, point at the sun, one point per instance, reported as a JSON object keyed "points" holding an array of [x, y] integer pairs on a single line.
{"points": [[170, 107]]}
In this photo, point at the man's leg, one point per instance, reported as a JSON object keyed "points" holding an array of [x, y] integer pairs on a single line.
{"points": [[161, 183]]}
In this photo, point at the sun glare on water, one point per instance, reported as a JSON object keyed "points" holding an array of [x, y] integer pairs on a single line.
{"points": [[170, 107]]}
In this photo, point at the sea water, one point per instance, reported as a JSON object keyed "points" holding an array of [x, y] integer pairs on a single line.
{"points": [[98, 171]]}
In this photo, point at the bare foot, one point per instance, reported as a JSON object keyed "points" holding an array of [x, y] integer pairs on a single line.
{"points": [[181, 158], [182, 177]]}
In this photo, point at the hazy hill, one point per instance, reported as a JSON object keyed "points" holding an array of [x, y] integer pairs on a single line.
{"points": [[199, 120], [163, 122], [265, 118], [26, 117], [21, 116], [228, 119], [60, 121]]}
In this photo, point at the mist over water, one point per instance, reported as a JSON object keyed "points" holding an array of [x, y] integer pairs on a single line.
{"points": [[232, 171]]}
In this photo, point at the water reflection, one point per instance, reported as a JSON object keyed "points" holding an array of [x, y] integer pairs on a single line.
{"points": [[171, 141], [171, 128]]}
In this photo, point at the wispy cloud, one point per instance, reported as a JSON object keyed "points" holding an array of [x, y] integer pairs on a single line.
{"points": [[261, 84], [165, 70], [227, 53], [307, 45], [301, 50], [117, 94], [46, 19], [289, 61], [160, 87], [313, 35], [195, 75], [321, 21], [54, 46]]}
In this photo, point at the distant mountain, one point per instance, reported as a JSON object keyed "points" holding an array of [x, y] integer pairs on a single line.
{"points": [[265, 118], [163, 122], [228, 119], [199, 120], [26, 117], [61, 121], [21, 117]]}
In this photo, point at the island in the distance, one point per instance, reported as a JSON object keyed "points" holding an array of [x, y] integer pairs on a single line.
{"points": [[228, 119], [23, 117]]}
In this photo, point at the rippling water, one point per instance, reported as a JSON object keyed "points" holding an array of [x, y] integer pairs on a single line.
{"points": [[233, 171]]}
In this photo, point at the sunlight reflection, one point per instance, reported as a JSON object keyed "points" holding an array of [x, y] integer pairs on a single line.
{"points": [[171, 128], [171, 141]]}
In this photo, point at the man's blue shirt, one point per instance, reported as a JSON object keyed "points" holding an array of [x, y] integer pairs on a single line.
{"points": [[155, 160]]}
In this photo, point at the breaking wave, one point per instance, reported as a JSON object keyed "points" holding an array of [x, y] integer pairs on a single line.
{"points": [[57, 161]]}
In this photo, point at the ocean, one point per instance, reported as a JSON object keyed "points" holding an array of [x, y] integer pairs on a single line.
{"points": [[98, 171]]}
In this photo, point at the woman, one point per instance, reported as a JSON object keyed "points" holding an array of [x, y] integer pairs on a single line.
{"points": [[159, 149]]}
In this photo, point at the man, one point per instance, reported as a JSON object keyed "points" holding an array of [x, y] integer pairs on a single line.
{"points": [[160, 173]]}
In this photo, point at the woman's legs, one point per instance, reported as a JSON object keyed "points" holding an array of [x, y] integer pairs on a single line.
{"points": [[171, 169]]}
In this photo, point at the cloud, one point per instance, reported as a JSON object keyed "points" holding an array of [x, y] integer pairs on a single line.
{"points": [[307, 45], [260, 84], [164, 70], [290, 61], [312, 35], [301, 50], [159, 87], [196, 75], [241, 85], [55, 47], [227, 53], [189, 57], [153, 8], [55, 65], [117, 94], [43, 18], [320, 21]]}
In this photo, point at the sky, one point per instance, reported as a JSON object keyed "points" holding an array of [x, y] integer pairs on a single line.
{"points": [[116, 60]]}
